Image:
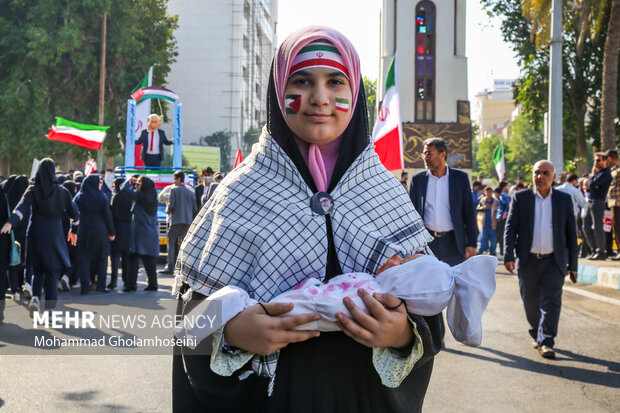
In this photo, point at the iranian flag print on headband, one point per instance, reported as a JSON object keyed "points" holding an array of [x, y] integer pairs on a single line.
{"points": [[319, 54], [88, 136], [292, 103], [386, 134]]}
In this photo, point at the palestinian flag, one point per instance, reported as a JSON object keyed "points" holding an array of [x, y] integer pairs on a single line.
{"points": [[386, 134], [88, 136], [154, 92], [342, 104], [292, 103]]}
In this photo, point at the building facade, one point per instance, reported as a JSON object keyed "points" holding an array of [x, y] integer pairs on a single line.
{"points": [[429, 37], [221, 73], [494, 109]]}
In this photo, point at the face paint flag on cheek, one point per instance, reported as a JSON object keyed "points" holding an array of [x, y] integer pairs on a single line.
{"points": [[292, 104], [342, 104]]}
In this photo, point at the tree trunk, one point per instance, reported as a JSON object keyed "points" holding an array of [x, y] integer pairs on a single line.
{"points": [[5, 167], [609, 98]]}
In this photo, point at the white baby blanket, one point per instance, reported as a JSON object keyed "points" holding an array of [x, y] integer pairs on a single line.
{"points": [[426, 284]]}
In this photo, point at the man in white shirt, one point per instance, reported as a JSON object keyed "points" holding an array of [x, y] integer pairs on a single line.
{"points": [[541, 231], [570, 187], [153, 140], [442, 196]]}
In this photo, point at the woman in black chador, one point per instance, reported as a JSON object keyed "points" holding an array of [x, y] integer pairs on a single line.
{"points": [[47, 251], [144, 243], [121, 204], [14, 188], [311, 200], [95, 232]]}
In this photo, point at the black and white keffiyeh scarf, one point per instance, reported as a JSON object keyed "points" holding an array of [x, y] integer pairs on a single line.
{"points": [[259, 233]]}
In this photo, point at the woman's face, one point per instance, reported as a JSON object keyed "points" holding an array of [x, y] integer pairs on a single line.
{"points": [[317, 104]]}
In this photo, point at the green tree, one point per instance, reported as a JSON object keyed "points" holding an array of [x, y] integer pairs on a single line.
{"points": [[483, 156], [524, 148], [221, 139], [370, 89], [527, 29], [250, 137], [49, 66]]}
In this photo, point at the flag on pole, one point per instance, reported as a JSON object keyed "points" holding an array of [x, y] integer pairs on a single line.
{"points": [[387, 133], [498, 161], [143, 110], [238, 159], [154, 92], [88, 136]]}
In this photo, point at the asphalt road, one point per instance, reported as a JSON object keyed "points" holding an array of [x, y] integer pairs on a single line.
{"points": [[505, 374]]}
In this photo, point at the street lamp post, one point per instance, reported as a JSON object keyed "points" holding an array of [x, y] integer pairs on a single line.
{"points": [[555, 144]]}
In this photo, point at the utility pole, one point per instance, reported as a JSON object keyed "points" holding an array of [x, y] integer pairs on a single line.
{"points": [[555, 147], [100, 158]]}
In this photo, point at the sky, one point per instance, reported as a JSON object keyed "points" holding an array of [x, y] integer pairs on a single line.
{"points": [[488, 56]]}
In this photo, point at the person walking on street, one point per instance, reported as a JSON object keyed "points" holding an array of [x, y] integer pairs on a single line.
{"points": [[144, 235], [541, 234], [120, 205], [181, 209], [443, 198], [47, 251], [95, 232], [613, 196], [14, 188], [598, 185], [489, 223], [503, 204]]}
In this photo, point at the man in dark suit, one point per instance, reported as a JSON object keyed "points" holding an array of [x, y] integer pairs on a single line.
{"points": [[443, 198], [153, 140], [541, 228]]}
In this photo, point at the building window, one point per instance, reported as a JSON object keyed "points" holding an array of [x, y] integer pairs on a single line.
{"points": [[425, 62]]}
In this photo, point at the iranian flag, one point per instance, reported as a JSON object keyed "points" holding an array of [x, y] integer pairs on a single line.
{"points": [[88, 136], [386, 134], [498, 161]]}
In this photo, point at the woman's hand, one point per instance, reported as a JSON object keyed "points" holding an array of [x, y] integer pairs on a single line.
{"points": [[6, 228], [254, 331], [383, 327], [72, 238]]}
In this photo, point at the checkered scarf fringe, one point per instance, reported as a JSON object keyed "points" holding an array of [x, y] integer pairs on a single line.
{"points": [[258, 232]]}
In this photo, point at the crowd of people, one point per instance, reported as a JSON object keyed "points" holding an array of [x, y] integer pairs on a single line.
{"points": [[64, 230], [596, 208]]}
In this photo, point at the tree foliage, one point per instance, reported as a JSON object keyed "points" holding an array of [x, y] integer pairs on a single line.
{"points": [[525, 25], [250, 137], [221, 139], [370, 88], [49, 66]]}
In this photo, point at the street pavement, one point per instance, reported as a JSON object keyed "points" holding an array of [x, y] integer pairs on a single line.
{"points": [[505, 374]]}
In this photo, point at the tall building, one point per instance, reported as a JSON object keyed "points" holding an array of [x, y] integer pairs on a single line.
{"points": [[429, 37], [221, 73], [494, 108]]}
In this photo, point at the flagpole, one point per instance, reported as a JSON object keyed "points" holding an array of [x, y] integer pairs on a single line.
{"points": [[100, 161]]}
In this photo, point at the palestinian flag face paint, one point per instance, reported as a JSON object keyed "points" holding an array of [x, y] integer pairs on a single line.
{"points": [[342, 104], [292, 104]]}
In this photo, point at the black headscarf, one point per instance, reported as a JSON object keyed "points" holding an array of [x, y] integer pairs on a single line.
{"points": [[16, 189], [121, 203], [90, 199], [354, 141], [71, 187], [147, 196], [45, 181]]}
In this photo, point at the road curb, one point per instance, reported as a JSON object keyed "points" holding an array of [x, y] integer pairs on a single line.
{"points": [[604, 276]]}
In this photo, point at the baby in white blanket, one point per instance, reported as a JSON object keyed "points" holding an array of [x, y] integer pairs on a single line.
{"points": [[425, 284]]}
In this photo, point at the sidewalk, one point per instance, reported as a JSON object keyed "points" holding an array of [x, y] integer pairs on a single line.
{"points": [[603, 273]]}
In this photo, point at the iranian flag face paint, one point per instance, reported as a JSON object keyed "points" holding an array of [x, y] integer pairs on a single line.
{"points": [[292, 104], [342, 104]]}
